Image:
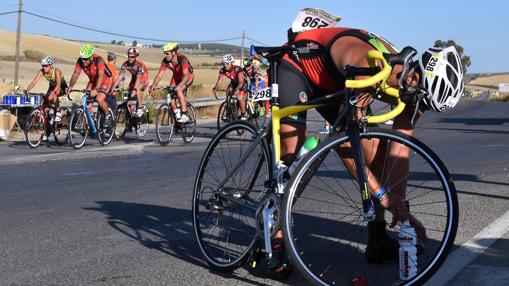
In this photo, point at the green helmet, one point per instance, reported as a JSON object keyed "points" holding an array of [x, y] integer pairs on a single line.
{"points": [[86, 51], [170, 46]]}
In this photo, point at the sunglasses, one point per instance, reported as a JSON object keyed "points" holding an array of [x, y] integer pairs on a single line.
{"points": [[131, 57], [87, 59], [45, 66], [167, 53]]}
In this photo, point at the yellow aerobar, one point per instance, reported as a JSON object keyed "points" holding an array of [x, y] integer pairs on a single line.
{"points": [[379, 79]]}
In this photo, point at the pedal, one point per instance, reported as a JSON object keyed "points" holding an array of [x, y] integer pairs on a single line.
{"points": [[256, 253]]}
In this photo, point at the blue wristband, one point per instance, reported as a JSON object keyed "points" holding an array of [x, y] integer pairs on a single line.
{"points": [[378, 195]]}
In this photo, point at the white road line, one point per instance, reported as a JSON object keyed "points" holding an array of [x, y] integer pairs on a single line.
{"points": [[469, 250]]}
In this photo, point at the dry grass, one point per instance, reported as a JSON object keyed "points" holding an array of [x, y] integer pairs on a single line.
{"points": [[66, 53], [500, 97], [207, 112], [493, 80]]}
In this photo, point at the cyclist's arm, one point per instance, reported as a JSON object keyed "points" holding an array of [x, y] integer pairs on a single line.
{"points": [[58, 81], [75, 76], [219, 79], [36, 79], [119, 76], [242, 80], [159, 75]]}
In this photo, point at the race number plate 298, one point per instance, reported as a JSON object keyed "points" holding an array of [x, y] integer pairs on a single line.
{"points": [[260, 95]]}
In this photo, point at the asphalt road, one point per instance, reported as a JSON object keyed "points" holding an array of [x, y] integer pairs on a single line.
{"points": [[121, 214]]}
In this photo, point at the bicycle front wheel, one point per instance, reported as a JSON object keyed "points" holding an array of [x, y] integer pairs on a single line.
{"points": [[189, 127], [61, 128], [122, 122], [224, 216], [165, 122], [105, 127], [325, 233], [78, 128], [35, 128]]}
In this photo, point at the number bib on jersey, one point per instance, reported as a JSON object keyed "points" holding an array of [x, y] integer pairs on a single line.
{"points": [[260, 95], [311, 18]]}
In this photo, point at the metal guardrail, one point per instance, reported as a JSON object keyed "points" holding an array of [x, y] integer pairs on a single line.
{"points": [[197, 102]]}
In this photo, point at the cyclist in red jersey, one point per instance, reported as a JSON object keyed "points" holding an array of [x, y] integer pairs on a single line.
{"points": [[317, 68], [182, 77], [238, 82], [139, 77], [100, 81]]}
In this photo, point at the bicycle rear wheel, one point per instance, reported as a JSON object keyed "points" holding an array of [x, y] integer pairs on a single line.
{"points": [[122, 122], [35, 128], [105, 130], [78, 128], [224, 218], [143, 123], [61, 128], [165, 122], [189, 128], [325, 234]]}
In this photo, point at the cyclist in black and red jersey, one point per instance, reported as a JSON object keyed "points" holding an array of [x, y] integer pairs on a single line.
{"points": [[317, 67], [182, 77], [256, 80], [100, 81], [238, 82], [139, 77]]}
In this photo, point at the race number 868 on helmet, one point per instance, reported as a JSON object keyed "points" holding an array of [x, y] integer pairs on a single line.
{"points": [[441, 78]]}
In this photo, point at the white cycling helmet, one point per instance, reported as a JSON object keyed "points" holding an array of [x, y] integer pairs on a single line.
{"points": [[228, 58], [441, 77], [48, 60]]}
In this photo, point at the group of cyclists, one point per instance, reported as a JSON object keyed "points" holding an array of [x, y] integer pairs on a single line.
{"points": [[317, 67], [103, 78]]}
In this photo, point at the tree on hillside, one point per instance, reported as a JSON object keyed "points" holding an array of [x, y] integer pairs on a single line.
{"points": [[465, 60], [113, 42], [120, 43], [135, 43]]}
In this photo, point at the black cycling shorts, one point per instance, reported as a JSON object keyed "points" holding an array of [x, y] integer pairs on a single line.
{"points": [[294, 87]]}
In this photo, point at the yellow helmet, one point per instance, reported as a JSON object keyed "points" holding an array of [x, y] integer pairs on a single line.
{"points": [[170, 46]]}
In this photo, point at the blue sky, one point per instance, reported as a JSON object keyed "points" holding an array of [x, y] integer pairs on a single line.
{"points": [[481, 27]]}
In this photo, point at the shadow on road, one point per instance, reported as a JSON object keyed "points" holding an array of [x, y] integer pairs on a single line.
{"points": [[161, 228]]}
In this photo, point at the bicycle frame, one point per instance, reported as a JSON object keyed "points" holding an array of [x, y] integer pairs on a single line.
{"points": [[273, 127], [84, 104]]}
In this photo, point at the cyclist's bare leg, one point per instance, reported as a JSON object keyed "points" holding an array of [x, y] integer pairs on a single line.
{"points": [[242, 102], [292, 137], [182, 98], [101, 100]]}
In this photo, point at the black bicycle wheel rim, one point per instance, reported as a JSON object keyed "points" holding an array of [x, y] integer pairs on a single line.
{"points": [[165, 123], [122, 123], [216, 254], [345, 241], [78, 128], [189, 128]]}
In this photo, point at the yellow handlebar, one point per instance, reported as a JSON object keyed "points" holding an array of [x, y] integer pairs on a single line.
{"points": [[380, 77]]}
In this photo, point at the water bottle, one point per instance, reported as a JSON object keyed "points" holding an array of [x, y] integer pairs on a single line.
{"points": [[262, 111], [309, 145], [18, 100], [407, 251]]}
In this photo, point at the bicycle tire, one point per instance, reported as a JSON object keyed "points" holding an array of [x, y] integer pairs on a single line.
{"points": [[122, 121], [189, 128], [226, 247], [165, 124], [35, 128], [78, 128], [105, 135], [326, 257], [61, 128], [143, 123]]}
